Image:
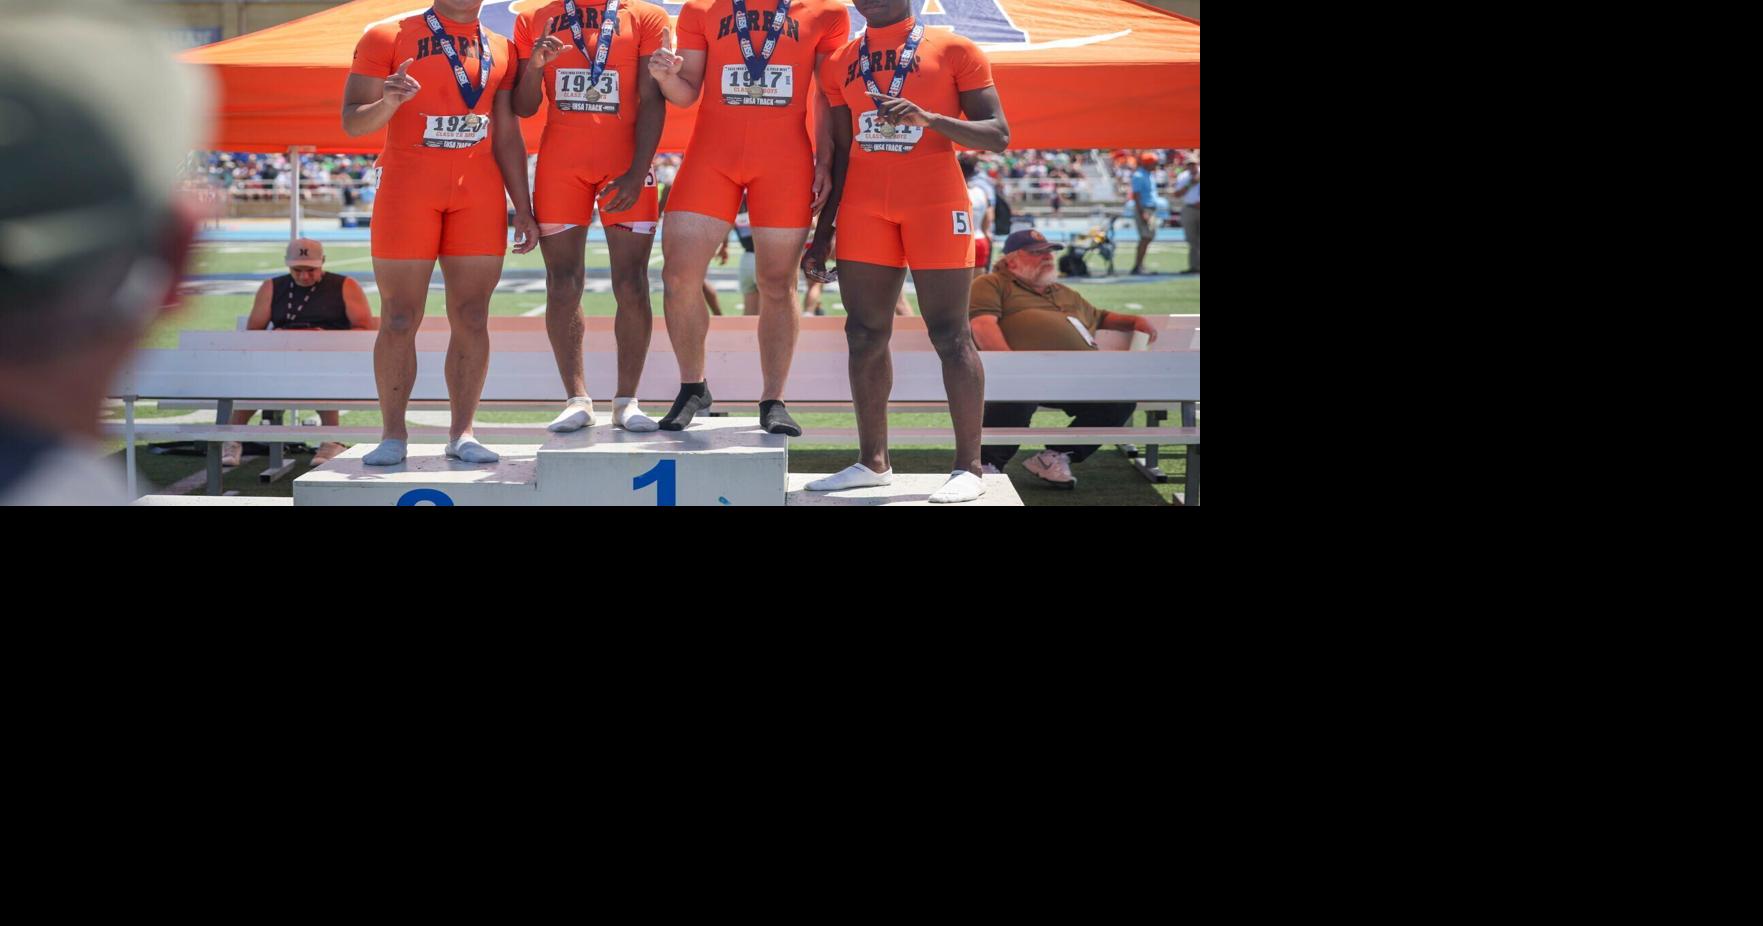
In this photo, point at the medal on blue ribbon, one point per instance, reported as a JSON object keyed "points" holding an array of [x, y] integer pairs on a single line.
{"points": [[902, 65], [608, 25], [445, 41], [756, 62]]}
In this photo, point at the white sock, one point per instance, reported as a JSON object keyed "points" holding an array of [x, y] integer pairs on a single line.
{"points": [[388, 453], [855, 476], [470, 451], [628, 416], [962, 486], [578, 414]]}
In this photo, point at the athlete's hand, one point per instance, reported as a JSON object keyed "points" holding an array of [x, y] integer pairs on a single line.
{"points": [[526, 233], [823, 186], [665, 62], [400, 87], [899, 111], [623, 190], [814, 263], [545, 51]]}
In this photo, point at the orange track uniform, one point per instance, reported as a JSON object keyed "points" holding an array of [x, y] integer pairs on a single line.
{"points": [[904, 201], [587, 143], [758, 144], [439, 191]]}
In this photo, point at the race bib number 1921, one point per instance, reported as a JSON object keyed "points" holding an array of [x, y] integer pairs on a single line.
{"points": [[872, 134]]}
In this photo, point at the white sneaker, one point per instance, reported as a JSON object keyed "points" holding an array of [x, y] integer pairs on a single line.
{"points": [[855, 476], [230, 452], [962, 486], [578, 413], [990, 470], [1052, 467]]}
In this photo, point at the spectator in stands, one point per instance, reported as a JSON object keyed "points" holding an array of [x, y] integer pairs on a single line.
{"points": [[980, 209], [306, 298], [1187, 190], [1022, 306], [1144, 208]]}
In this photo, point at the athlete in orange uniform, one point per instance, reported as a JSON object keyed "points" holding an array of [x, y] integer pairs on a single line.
{"points": [[604, 120], [452, 146], [751, 136], [899, 92]]}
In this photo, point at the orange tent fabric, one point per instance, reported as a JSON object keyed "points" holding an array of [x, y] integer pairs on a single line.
{"points": [[1071, 73]]}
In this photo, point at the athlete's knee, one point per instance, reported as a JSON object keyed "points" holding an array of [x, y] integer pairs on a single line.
{"points": [[775, 283], [865, 338], [399, 324], [471, 324], [567, 281], [630, 288], [950, 337]]}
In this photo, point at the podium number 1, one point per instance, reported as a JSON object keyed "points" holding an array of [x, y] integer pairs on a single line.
{"points": [[661, 477]]}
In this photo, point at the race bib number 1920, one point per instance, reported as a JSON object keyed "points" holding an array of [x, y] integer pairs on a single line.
{"points": [[454, 131]]}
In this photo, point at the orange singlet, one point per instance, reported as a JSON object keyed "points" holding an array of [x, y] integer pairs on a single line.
{"points": [[439, 190], [905, 202], [590, 138], [757, 141]]}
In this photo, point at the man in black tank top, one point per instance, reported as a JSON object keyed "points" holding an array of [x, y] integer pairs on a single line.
{"points": [[306, 298]]}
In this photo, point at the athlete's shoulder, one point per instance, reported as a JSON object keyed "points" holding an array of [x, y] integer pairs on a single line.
{"points": [[644, 8], [847, 49], [699, 7], [386, 32], [536, 9], [949, 39], [831, 12], [413, 22]]}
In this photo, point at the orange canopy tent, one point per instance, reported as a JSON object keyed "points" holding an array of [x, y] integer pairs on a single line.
{"points": [[1071, 73]]}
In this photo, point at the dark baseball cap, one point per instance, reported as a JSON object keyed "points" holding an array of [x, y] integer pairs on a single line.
{"points": [[1028, 238]]}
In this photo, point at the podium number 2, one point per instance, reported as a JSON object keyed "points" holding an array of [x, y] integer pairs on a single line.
{"points": [[661, 477]]}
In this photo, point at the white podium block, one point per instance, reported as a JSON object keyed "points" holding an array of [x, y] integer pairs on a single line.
{"points": [[724, 462], [426, 477], [717, 461]]}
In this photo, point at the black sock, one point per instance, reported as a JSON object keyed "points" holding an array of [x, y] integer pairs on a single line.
{"points": [[693, 398], [773, 418]]}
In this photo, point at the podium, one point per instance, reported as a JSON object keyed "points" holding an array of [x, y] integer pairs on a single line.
{"points": [[723, 462]]}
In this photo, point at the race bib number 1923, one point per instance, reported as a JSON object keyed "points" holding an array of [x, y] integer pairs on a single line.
{"points": [[575, 94]]}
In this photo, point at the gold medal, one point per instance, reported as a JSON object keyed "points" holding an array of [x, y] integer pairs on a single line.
{"points": [[887, 128], [592, 96]]}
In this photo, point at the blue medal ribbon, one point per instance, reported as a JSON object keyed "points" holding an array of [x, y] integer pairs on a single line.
{"points": [[902, 64], [471, 94], [608, 26], [756, 63]]}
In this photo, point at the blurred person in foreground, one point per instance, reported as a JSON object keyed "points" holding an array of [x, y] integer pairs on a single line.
{"points": [[90, 246]]}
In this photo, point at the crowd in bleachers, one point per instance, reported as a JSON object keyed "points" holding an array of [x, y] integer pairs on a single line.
{"points": [[1031, 180]]}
